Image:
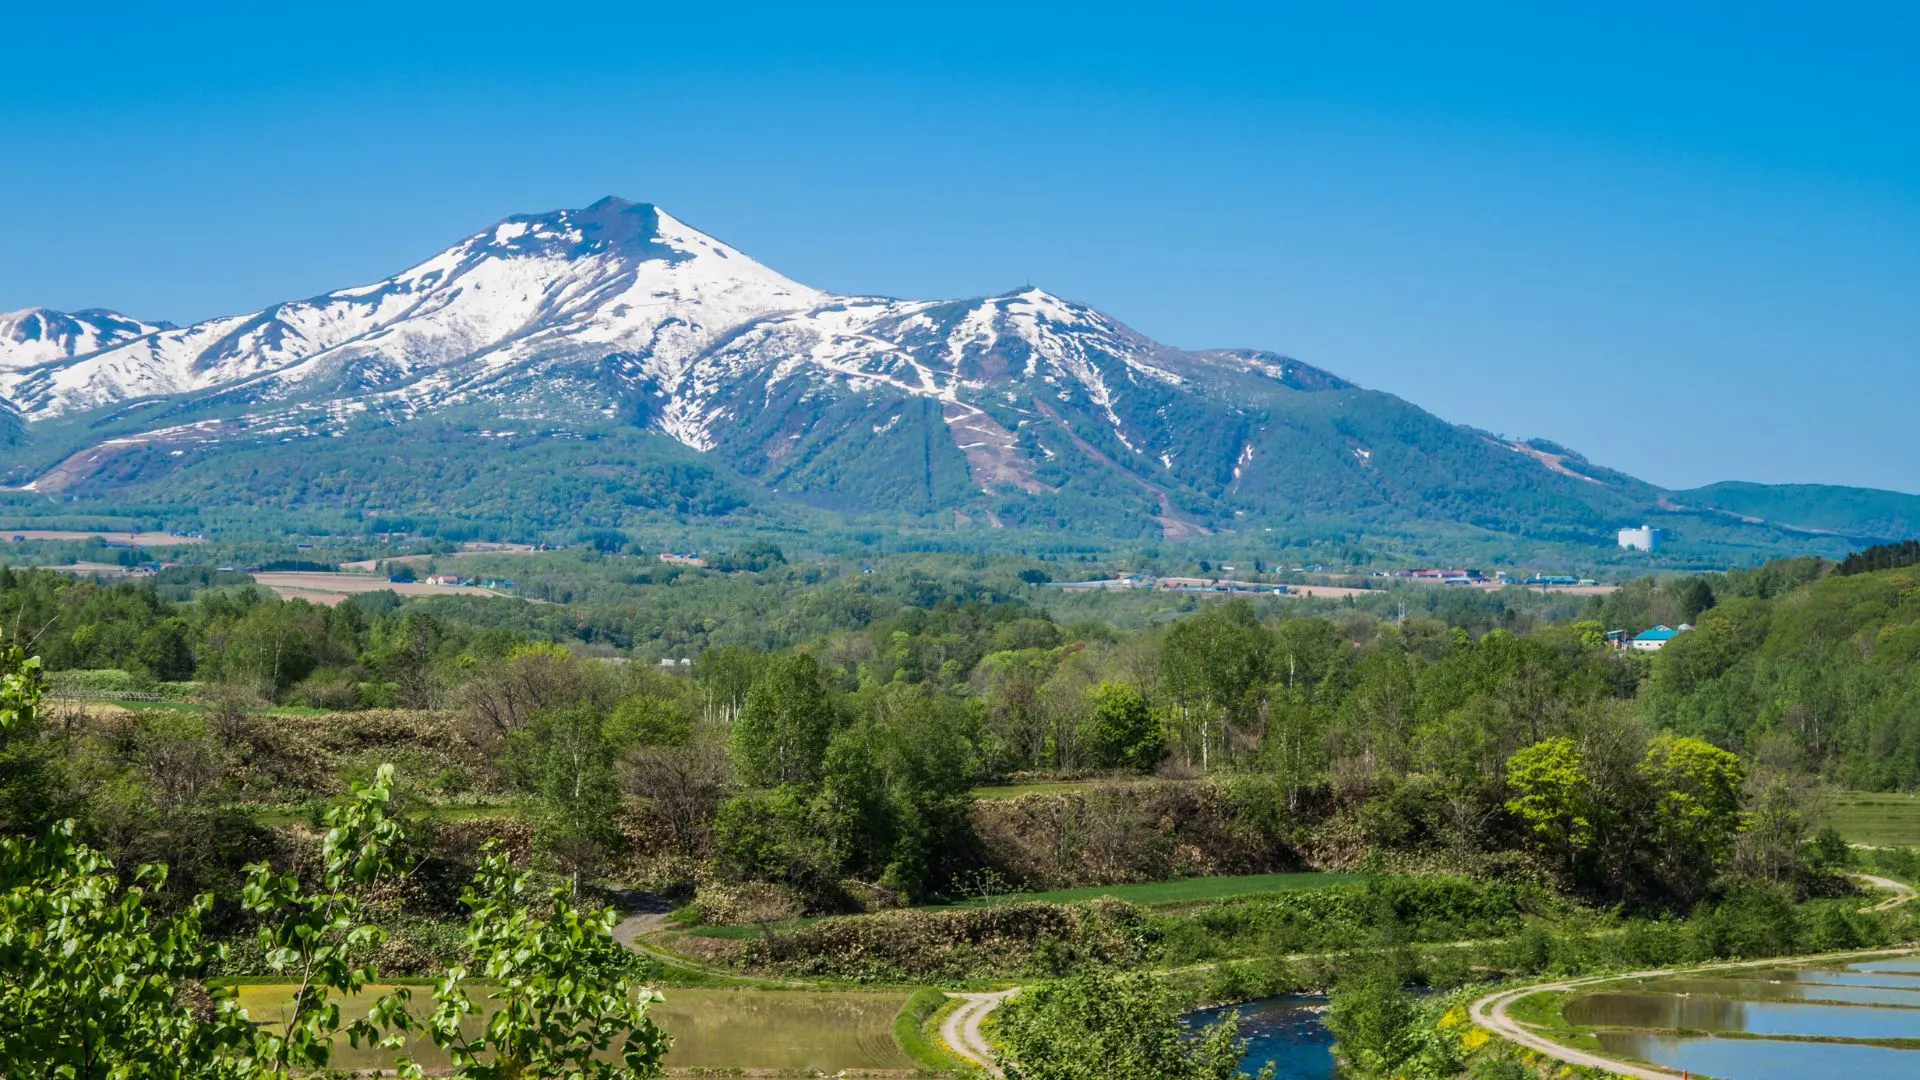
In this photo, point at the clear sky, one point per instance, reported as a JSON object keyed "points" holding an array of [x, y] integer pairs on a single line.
{"points": [[1683, 239]]}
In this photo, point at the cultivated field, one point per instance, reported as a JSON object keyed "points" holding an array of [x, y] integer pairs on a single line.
{"points": [[1878, 818], [329, 589], [471, 547], [137, 539], [783, 1032]]}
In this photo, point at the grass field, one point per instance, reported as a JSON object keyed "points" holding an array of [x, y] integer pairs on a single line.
{"points": [[1054, 787], [1878, 818], [1146, 894], [1180, 891]]}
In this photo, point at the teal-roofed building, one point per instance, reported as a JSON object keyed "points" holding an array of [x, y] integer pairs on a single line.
{"points": [[1655, 639]]}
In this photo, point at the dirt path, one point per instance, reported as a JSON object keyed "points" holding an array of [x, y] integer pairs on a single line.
{"points": [[1490, 1012], [1902, 892], [645, 912], [961, 1028]]}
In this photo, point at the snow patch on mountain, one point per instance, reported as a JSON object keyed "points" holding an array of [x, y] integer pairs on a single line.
{"points": [[37, 335]]}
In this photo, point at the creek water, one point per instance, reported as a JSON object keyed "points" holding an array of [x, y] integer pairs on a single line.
{"points": [[1287, 1032]]}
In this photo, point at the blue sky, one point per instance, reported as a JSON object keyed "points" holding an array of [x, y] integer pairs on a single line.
{"points": [[1684, 239]]}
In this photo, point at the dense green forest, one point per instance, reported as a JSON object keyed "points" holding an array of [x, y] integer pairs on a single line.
{"points": [[851, 756]]}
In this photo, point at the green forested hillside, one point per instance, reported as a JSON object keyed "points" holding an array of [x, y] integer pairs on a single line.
{"points": [[1851, 511], [1829, 670], [1286, 461], [451, 480]]}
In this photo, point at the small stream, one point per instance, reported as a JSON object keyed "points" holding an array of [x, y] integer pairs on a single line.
{"points": [[1288, 1032]]}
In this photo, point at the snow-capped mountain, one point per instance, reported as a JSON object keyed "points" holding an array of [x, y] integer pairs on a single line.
{"points": [[34, 336], [1021, 407], [613, 277], [584, 309], [620, 286]]}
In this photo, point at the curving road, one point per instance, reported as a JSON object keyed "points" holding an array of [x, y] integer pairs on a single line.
{"points": [[961, 1028], [1902, 892]]}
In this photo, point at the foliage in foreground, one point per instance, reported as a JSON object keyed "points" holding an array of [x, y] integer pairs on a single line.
{"points": [[1098, 1025], [101, 985]]}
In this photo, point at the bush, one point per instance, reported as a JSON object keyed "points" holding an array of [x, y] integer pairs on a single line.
{"points": [[1006, 940], [102, 684], [1100, 1024]]}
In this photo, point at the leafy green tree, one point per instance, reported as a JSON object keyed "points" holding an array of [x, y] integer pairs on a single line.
{"points": [[648, 720], [724, 676], [565, 759], [403, 652], [1213, 664], [756, 556], [95, 979], [1591, 633], [273, 646], [99, 987], [311, 937], [1119, 730], [1695, 788], [769, 836], [1373, 1022], [1012, 683], [1552, 796], [166, 650], [1696, 596], [1098, 1025], [559, 990], [1381, 1032], [781, 735], [34, 792], [869, 826], [893, 804], [93, 975]]}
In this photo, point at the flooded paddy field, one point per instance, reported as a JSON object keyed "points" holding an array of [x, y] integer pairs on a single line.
{"points": [[1862, 1018], [800, 1031]]}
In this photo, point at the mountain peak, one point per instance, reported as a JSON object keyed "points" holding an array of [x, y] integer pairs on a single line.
{"points": [[615, 203]]}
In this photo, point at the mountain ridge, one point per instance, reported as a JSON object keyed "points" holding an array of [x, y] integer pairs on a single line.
{"points": [[1017, 409]]}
